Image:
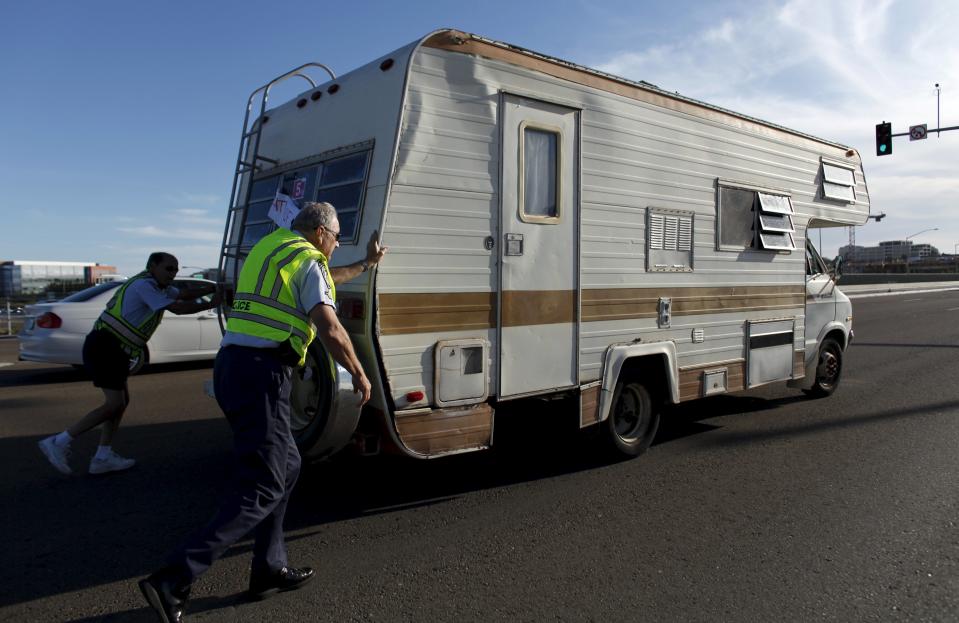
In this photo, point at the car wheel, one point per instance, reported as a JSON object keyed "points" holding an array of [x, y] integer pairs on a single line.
{"points": [[828, 369], [633, 419], [311, 397], [138, 364]]}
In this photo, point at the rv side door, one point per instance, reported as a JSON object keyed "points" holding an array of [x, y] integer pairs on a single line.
{"points": [[539, 251]]}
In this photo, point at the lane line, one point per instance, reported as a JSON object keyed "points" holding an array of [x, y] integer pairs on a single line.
{"points": [[911, 300], [952, 309], [866, 295], [4, 364]]}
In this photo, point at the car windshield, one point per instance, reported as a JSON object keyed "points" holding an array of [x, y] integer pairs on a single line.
{"points": [[89, 293]]}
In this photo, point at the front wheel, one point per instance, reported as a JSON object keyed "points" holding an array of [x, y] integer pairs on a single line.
{"points": [[828, 369], [633, 419]]}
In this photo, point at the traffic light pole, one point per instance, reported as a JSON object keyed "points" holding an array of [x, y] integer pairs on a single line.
{"points": [[928, 132]]}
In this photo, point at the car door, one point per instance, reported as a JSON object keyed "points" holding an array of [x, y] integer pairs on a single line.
{"points": [[178, 337]]}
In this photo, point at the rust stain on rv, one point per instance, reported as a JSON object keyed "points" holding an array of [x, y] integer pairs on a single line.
{"points": [[464, 43]]}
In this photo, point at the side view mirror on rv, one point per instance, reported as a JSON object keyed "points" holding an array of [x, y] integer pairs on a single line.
{"points": [[835, 270]]}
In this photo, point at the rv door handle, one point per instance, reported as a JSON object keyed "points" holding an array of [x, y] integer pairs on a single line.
{"points": [[514, 244]]}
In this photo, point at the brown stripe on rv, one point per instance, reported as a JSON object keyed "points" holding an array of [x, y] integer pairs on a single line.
{"points": [[522, 308], [627, 303], [431, 312], [464, 43]]}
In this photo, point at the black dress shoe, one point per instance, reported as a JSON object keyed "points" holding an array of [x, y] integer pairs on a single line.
{"points": [[166, 596], [286, 579]]}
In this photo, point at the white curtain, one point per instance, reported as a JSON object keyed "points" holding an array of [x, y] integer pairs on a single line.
{"points": [[540, 173]]}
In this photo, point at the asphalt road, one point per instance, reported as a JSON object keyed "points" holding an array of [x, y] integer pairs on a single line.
{"points": [[759, 507]]}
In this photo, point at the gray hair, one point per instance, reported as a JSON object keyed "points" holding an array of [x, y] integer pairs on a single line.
{"points": [[313, 215]]}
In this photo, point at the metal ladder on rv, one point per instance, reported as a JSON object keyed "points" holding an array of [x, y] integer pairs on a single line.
{"points": [[248, 162]]}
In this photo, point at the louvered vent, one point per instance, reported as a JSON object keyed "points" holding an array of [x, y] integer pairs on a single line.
{"points": [[669, 240]]}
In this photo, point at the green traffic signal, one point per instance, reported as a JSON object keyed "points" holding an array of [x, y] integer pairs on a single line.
{"points": [[883, 139]]}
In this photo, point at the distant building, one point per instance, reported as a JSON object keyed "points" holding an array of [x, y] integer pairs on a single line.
{"points": [[99, 273], [889, 251], [27, 278]]}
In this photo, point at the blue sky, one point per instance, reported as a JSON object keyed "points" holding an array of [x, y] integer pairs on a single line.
{"points": [[120, 121]]}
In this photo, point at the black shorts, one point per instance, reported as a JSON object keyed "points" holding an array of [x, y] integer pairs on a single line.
{"points": [[105, 360]]}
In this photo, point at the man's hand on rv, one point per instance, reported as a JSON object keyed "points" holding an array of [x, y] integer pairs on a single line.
{"points": [[361, 385], [374, 252]]}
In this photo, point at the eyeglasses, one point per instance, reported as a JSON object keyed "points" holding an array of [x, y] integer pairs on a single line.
{"points": [[335, 234]]}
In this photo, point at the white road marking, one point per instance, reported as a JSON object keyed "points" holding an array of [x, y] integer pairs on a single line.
{"points": [[952, 309], [866, 295], [4, 364], [911, 300]]}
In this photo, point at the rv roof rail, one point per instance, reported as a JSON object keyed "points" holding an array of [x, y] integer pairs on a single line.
{"points": [[250, 147]]}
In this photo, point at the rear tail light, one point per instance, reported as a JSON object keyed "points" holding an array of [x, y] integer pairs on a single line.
{"points": [[49, 320], [350, 308]]}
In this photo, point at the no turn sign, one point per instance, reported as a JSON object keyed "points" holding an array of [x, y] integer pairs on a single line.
{"points": [[917, 132]]}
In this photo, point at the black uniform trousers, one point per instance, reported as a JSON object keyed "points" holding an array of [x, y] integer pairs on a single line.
{"points": [[252, 386]]}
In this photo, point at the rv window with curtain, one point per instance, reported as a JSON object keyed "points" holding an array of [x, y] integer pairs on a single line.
{"points": [[838, 182], [540, 165], [669, 240]]}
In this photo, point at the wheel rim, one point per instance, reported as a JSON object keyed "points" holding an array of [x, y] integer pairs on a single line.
{"points": [[305, 387], [827, 373], [630, 417]]}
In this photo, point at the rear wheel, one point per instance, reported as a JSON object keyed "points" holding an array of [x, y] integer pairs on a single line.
{"points": [[828, 369], [311, 398], [633, 419]]}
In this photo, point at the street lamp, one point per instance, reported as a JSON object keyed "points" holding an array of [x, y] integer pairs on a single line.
{"points": [[909, 251]]}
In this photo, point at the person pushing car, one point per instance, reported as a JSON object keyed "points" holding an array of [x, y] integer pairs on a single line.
{"points": [[115, 345]]}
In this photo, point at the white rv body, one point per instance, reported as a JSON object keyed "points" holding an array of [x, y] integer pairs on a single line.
{"points": [[551, 227]]}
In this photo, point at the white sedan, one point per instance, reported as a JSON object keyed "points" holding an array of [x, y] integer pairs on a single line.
{"points": [[54, 332]]}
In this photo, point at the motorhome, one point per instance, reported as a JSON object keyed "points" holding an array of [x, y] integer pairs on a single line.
{"points": [[554, 231]]}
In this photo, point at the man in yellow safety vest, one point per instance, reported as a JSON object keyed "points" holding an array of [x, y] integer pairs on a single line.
{"points": [[116, 343], [284, 298]]}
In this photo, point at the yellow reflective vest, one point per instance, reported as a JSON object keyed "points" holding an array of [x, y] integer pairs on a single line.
{"points": [[133, 338], [264, 305]]}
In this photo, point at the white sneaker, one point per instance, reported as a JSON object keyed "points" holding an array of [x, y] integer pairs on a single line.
{"points": [[59, 456], [112, 463]]}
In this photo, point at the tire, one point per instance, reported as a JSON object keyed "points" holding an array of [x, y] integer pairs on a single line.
{"points": [[311, 398], [142, 362], [828, 369], [633, 419]]}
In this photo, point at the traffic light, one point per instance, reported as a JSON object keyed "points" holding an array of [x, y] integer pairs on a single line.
{"points": [[883, 139]]}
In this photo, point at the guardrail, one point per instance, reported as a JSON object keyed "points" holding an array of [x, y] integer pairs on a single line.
{"points": [[850, 279]]}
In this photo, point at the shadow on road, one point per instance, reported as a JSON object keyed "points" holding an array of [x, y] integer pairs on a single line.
{"points": [[53, 373], [76, 533], [891, 345]]}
